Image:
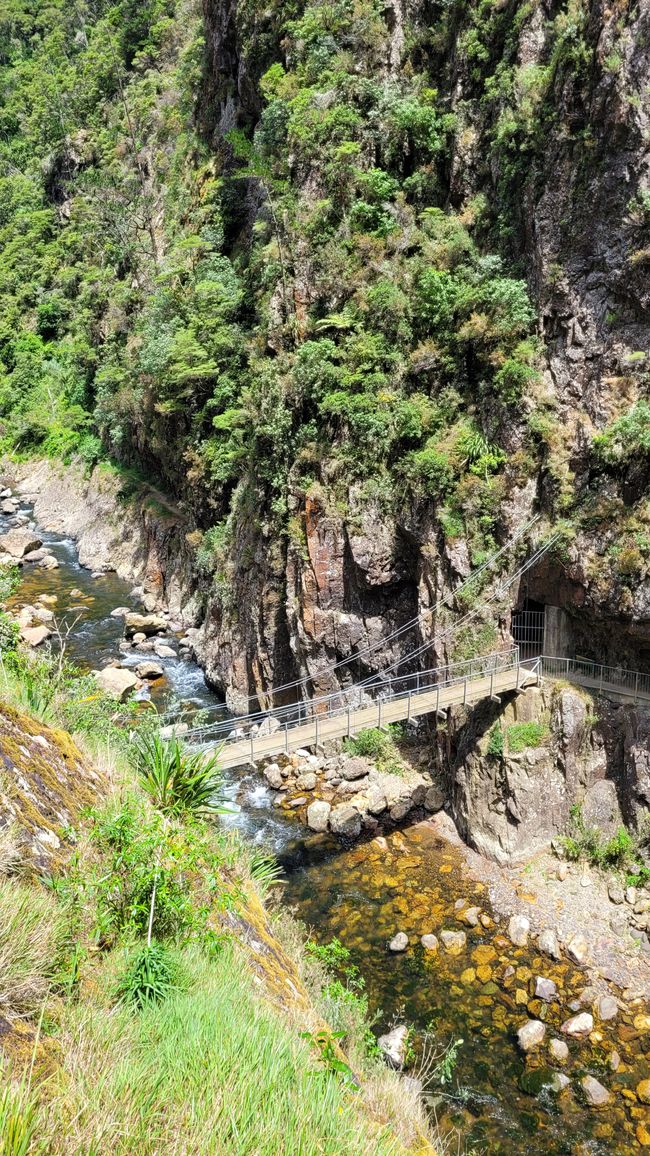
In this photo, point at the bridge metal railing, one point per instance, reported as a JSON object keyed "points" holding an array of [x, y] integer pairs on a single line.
{"points": [[630, 683], [357, 697]]}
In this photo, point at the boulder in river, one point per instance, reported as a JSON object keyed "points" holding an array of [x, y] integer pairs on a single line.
{"points": [[273, 776], [19, 542], [578, 1027], [116, 682], [530, 1035], [149, 670], [318, 814], [35, 635], [36, 555], [49, 562], [345, 820], [163, 651], [120, 611], [8, 505], [143, 623], [394, 1044]]}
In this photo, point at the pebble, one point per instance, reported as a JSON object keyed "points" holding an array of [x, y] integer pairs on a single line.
{"points": [[470, 916], [630, 895], [453, 941], [616, 893], [393, 1045], [562, 871], [560, 1082], [594, 1091], [545, 988], [399, 942], [547, 942], [518, 928], [579, 1026], [530, 1035], [577, 948], [318, 814], [429, 942], [559, 1051], [614, 1061], [643, 1091], [606, 1007]]}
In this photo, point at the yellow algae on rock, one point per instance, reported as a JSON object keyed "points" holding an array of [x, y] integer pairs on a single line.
{"points": [[484, 953], [468, 975]]}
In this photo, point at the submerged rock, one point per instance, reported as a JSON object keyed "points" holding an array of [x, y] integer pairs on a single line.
{"points": [[453, 941], [559, 1051], [35, 635], [595, 1093], [607, 1007]]}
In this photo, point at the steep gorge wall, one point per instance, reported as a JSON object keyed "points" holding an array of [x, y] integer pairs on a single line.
{"points": [[578, 750], [551, 130]]}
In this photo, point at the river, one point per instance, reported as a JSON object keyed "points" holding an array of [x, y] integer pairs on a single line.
{"points": [[365, 894]]}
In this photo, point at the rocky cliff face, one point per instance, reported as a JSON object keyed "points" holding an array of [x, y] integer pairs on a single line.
{"points": [[548, 129], [515, 774]]}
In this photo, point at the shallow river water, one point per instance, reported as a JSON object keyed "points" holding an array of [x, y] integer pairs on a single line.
{"points": [[365, 894]]}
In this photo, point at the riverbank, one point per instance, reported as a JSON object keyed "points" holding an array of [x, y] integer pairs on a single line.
{"points": [[367, 895]]}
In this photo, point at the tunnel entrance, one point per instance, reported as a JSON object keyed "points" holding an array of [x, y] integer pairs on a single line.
{"points": [[527, 628]]}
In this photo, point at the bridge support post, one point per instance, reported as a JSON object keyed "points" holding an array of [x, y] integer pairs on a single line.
{"points": [[286, 738], [492, 684], [636, 687], [465, 692], [408, 708], [437, 702], [316, 743], [252, 759], [379, 713], [349, 723]]}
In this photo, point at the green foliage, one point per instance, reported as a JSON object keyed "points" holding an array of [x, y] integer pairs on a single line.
{"points": [[176, 780], [325, 1042], [627, 437], [378, 745], [521, 736], [444, 1069], [150, 975], [20, 1125], [495, 747], [584, 842]]}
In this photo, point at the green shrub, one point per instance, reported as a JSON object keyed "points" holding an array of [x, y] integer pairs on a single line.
{"points": [[521, 736], [583, 842], [495, 742], [177, 781], [150, 975], [378, 745]]}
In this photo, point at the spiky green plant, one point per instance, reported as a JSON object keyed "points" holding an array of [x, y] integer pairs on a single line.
{"points": [[150, 975], [178, 781], [19, 1122]]}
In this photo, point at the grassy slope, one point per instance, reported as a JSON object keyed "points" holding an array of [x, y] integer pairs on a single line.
{"points": [[215, 1067]]}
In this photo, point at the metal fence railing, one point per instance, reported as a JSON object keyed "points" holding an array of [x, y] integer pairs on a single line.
{"points": [[631, 683], [358, 697]]}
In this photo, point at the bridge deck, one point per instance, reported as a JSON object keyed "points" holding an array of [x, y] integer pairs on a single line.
{"points": [[291, 738]]}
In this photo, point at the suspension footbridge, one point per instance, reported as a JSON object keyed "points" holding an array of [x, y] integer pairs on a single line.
{"points": [[390, 696]]}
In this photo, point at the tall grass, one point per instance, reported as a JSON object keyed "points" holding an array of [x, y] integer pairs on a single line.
{"points": [[31, 937], [211, 1069], [177, 781]]}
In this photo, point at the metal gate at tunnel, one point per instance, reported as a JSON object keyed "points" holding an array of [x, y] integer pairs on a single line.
{"points": [[527, 629]]}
